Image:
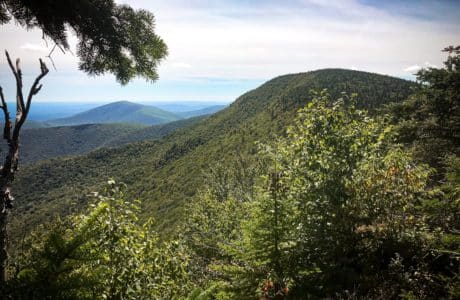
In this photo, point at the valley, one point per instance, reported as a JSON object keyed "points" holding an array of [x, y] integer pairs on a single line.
{"points": [[166, 173], [229, 150]]}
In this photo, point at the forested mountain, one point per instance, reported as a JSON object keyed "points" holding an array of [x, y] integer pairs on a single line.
{"points": [[44, 143], [118, 112], [166, 173], [51, 142], [200, 112], [326, 184]]}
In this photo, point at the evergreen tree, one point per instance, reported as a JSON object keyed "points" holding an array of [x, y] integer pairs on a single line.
{"points": [[338, 208], [105, 254], [429, 120], [113, 38]]}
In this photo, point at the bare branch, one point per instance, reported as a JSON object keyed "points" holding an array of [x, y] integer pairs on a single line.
{"points": [[10, 165], [50, 58], [7, 128], [18, 75], [34, 89], [37, 89], [44, 38]]}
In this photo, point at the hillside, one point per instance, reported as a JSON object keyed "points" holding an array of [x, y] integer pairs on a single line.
{"points": [[200, 112], [152, 132], [118, 112], [166, 173], [45, 143], [29, 124]]}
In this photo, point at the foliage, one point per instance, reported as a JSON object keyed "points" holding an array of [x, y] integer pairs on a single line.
{"points": [[342, 211], [170, 171], [429, 120], [336, 214], [106, 254], [112, 38], [212, 224], [428, 123], [40, 143], [237, 182]]}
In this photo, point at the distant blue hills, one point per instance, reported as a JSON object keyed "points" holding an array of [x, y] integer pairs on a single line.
{"points": [[118, 112], [69, 114]]}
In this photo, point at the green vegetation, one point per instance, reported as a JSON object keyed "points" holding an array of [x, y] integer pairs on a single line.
{"points": [[200, 112], [335, 200], [429, 121], [52, 142], [112, 38], [336, 215], [45, 143], [166, 174], [105, 254]]}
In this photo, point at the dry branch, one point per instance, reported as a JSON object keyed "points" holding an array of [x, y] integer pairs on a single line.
{"points": [[10, 165]]}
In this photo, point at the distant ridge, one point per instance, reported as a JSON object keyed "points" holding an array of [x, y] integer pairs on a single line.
{"points": [[51, 142], [200, 112], [118, 112]]}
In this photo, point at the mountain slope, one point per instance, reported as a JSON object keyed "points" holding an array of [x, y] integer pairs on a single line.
{"points": [[118, 112], [44, 143], [200, 112], [166, 173], [51, 142]]}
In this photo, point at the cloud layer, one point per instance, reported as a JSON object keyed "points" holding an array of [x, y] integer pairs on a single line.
{"points": [[247, 42]]}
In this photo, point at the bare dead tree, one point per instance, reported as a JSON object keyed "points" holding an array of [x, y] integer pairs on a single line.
{"points": [[10, 165]]}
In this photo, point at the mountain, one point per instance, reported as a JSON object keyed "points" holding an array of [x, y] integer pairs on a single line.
{"points": [[34, 124], [200, 112], [167, 173], [44, 143], [42, 111], [184, 106], [152, 132], [118, 112], [51, 142]]}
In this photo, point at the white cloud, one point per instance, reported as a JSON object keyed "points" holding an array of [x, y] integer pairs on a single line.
{"points": [[430, 65], [181, 65], [235, 40], [259, 40], [34, 47], [416, 68], [412, 69]]}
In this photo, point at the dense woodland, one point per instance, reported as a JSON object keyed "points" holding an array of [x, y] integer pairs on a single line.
{"points": [[40, 143], [330, 184], [327, 184], [166, 174]]}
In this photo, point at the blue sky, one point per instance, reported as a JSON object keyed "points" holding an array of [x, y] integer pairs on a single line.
{"points": [[220, 49]]}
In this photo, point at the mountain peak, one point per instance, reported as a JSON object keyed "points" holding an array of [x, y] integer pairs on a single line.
{"points": [[119, 112]]}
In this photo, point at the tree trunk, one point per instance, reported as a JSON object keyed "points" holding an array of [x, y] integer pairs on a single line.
{"points": [[3, 240], [10, 165]]}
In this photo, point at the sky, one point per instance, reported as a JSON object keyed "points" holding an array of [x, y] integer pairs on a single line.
{"points": [[220, 49]]}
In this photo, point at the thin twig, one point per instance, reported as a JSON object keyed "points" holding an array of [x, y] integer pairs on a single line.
{"points": [[50, 58], [7, 128], [43, 38], [34, 89], [18, 75]]}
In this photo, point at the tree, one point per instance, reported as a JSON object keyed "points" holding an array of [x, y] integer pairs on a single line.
{"points": [[337, 212], [105, 253], [429, 121], [11, 136], [112, 38]]}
